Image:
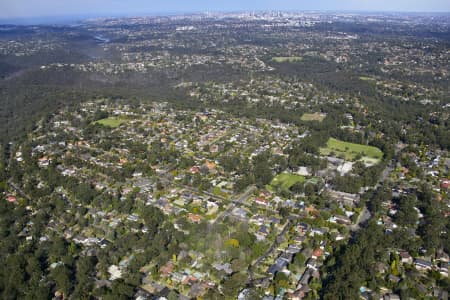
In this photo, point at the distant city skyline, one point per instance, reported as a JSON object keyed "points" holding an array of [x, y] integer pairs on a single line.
{"points": [[22, 9]]}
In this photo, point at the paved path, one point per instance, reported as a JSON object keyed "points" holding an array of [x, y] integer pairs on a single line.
{"points": [[241, 199], [19, 190], [364, 216]]}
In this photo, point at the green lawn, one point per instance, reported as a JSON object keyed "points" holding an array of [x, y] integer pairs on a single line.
{"points": [[313, 117], [281, 59], [112, 122], [350, 150], [218, 192], [286, 180]]}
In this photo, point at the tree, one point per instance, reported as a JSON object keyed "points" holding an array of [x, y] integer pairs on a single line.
{"points": [[152, 217], [85, 192], [298, 188], [258, 249], [238, 265], [261, 169], [62, 276], [172, 295], [284, 212], [85, 267], [281, 281], [299, 260], [234, 284], [120, 290], [353, 264], [407, 214]]}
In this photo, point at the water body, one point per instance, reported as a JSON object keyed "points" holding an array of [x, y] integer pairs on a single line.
{"points": [[101, 39]]}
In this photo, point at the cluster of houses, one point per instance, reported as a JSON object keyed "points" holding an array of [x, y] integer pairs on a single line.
{"points": [[270, 91], [202, 137]]}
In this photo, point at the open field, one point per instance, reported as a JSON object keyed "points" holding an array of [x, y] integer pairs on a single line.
{"points": [[281, 59], [364, 78], [286, 180], [313, 117], [350, 150], [112, 122]]}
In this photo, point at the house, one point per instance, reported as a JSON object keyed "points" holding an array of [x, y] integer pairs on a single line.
{"points": [[405, 257], [44, 161], [239, 212], [393, 278], [142, 294], [445, 184], [380, 267], [262, 232], [167, 269], [312, 263], [11, 198], [303, 171], [194, 218], [177, 277], [443, 268], [197, 201], [212, 207], [293, 249], [179, 202], [245, 294], [278, 266], [365, 295], [287, 256], [189, 280], [318, 231], [344, 198], [303, 227], [133, 218], [344, 220], [311, 210], [194, 169], [275, 221], [297, 295], [299, 239], [422, 264], [214, 148], [261, 201], [265, 194], [317, 253], [115, 272], [223, 267], [210, 165], [339, 237]]}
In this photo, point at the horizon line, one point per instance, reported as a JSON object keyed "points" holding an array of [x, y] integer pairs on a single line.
{"points": [[68, 18]]}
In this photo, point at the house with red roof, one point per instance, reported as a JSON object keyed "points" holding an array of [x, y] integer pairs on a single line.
{"points": [[11, 198]]}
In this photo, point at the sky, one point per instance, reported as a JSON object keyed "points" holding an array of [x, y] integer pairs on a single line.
{"points": [[14, 9]]}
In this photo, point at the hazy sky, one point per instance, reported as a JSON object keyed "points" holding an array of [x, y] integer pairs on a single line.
{"points": [[40, 8]]}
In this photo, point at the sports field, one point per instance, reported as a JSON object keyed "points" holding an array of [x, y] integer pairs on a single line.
{"points": [[281, 59], [286, 180], [364, 78], [313, 117], [350, 150], [112, 122]]}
